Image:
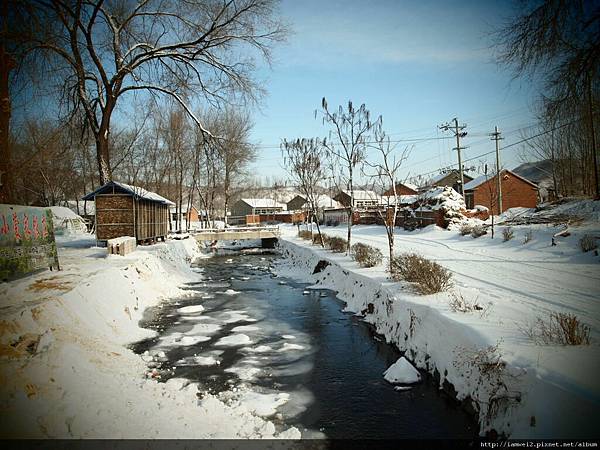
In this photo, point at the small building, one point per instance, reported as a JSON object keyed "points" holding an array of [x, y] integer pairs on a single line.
{"points": [[451, 179], [125, 210], [402, 189], [335, 216], [299, 203], [187, 216], [256, 206], [362, 198], [516, 192]]}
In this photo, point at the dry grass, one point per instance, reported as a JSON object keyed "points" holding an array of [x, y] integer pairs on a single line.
{"points": [[50, 284], [466, 229], [528, 237], [365, 255], [559, 329], [507, 234], [458, 303], [588, 243], [428, 276], [478, 231]]}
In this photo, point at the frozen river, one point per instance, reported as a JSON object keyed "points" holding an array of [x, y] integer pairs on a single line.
{"points": [[292, 355]]}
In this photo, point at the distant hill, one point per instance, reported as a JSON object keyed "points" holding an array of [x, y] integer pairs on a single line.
{"points": [[540, 173]]}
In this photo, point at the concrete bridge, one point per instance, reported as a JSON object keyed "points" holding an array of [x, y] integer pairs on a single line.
{"points": [[267, 234]]}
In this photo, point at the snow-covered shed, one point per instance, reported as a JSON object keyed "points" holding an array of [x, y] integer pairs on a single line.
{"points": [[66, 221], [125, 210]]}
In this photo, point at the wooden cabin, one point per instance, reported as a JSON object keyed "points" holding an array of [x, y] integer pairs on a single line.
{"points": [[125, 210]]}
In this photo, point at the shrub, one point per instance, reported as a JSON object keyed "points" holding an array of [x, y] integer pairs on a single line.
{"points": [[528, 237], [365, 255], [507, 234], [304, 234], [466, 228], [337, 244], [478, 231], [560, 329], [317, 241], [428, 276], [588, 243]]}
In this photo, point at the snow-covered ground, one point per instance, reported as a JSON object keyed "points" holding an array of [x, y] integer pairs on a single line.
{"points": [[65, 370], [520, 388]]}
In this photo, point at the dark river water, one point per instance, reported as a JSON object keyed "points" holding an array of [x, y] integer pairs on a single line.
{"points": [[262, 333]]}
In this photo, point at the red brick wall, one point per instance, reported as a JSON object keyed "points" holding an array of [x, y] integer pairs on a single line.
{"points": [[400, 190], [515, 192]]}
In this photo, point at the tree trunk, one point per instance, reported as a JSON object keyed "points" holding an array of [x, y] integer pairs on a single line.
{"points": [[102, 153]]}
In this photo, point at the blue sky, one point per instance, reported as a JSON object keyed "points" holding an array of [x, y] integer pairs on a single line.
{"points": [[416, 63]]}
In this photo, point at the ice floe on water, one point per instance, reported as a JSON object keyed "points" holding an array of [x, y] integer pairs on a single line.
{"points": [[260, 349], [245, 328], [192, 340], [288, 346], [402, 372], [238, 316], [191, 309], [234, 340], [288, 336], [203, 328], [231, 292], [244, 372], [198, 361]]}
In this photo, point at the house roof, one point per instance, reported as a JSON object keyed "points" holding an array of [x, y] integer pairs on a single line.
{"points": [[443, 175], [262, 203], [473, 184], [323, 201], [136, 191]]}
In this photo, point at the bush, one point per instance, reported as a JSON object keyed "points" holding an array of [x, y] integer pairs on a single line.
{"points": [[507, 234], [317, 241], [528, 237], [428, 276], [588, 243], [304, 234], [560, 329], [365, 255], [337, 244], [478, 231], [466, 228]]}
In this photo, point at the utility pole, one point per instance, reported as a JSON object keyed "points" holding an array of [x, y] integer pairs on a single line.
{"points": [[458, 133], [496, 137]]}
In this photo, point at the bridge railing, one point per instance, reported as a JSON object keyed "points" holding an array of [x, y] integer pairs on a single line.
{"points": [[268, 228]]}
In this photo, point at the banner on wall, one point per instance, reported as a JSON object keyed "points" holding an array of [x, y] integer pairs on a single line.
{"points": [[26, 241]]}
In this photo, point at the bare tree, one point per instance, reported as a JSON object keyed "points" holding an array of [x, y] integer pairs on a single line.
{"points": [[560, 40], [383, 174], [303, 159], [172, 48], [351, 129]]}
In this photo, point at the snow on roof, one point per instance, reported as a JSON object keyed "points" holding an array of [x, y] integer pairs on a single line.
{"points": [[363, 194], [134, 190], [483, 178], [263, 203], [324, 201], [439, 177]]}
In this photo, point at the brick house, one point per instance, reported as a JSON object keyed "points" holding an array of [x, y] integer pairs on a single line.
{"points": [[516, 192]]}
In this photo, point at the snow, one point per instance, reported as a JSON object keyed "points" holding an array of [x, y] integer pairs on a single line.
{"points": [[515, 283], [402, 372], [82, 381]]}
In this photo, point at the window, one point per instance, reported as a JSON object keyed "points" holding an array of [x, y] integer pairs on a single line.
{"points": [[469, 200]]}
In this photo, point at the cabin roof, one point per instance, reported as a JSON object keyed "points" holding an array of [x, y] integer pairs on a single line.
{"points": [[136, 191]]}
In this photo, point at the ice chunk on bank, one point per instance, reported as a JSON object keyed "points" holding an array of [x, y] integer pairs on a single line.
{"points": [[402, 372], [264, 405]]}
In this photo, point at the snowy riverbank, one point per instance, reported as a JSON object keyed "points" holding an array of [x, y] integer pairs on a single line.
{"points": [[516, 387], [64, 365]]}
